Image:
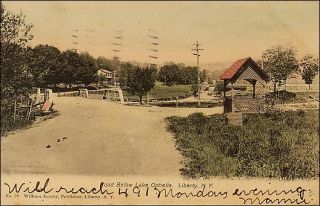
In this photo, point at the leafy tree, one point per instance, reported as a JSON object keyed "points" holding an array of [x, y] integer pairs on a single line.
{"points": [[16, 76], [109, 64], [88, 69], [190, 75], [124, 72], [204, 75], [172, 73], [309, 68], [71, 63], [169, 74], [45, 63], [280, 62], [140, 80]]}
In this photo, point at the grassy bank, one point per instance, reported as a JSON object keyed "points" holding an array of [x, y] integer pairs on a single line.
{"points": [[278, 144], [161, 91]]}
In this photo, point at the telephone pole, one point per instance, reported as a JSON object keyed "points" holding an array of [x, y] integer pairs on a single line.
{"points": [[197, 49], [117, 50], [75, 42], [153, 39], [154, 42]]}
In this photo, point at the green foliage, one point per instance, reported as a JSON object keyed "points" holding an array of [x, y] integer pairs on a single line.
{"points": [[280, 62], [45, 63], [139, 81], [172, 73], [16, 74], [219, 87], [162, 91], [77, 68], [124, 72], [195, 89], [109, 64], [275, 144], [87, 73], [169, 74], [309, 68], [282, 95]]}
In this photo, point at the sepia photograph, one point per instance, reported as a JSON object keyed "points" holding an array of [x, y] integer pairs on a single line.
{"points": [[160, 102]]}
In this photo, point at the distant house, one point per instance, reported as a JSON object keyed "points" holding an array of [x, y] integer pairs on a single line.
{"points": [[105, 76]]}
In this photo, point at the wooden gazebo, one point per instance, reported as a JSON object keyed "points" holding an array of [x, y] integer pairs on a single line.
{"points": [[244, 69]]}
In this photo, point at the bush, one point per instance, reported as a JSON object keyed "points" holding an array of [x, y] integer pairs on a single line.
{"points": [[282, 95], [274, 144]]}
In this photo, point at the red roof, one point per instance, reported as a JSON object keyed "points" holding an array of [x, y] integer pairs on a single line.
{"points": [[228, 74]]}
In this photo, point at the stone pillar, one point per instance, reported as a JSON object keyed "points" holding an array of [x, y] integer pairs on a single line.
{"points": [[38, 97], [48, 95], [121, 95]]}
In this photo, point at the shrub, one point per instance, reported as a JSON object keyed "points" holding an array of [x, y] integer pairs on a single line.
{"points": [[273, 144], [282, 95]]}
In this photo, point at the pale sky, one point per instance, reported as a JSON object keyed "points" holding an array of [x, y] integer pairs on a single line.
{"points": [[227, 30]]}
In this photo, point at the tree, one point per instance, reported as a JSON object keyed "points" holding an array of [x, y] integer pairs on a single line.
{"points": [[109, 64], [45, 63], [16, 75], [190, 75], [87, 73], [140, 80], [280, 62], [70, 68], [309, 68], [204, 76], [169, 74], [124, 72]]}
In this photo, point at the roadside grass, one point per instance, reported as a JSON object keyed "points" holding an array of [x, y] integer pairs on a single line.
{"points": [[305, 95], [10, 127], [275, 145], [161, 91]]}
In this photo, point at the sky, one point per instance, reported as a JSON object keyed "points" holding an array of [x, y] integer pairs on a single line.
{"points": [[227, 30]]}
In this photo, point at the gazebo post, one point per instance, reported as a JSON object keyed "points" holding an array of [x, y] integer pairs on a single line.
{"points": [[254, 89], [232, 98], [264, 89], [224, 89]]}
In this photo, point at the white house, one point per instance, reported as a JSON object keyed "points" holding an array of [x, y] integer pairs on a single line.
{"points": [[106, 76]]}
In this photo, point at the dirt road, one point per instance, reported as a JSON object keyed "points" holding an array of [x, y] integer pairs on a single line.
{"points": [[96, 137]]}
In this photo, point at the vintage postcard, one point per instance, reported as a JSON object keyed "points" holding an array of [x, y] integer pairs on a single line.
{"points": [[159, 102]]}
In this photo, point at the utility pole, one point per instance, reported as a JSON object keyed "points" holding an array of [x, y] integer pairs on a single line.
{"points": [[75, 42], [153, 54], [117, 45], [197, 49], [154, 42]]}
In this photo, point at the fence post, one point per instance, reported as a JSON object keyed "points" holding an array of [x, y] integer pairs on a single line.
{"points": [[121, 95]]}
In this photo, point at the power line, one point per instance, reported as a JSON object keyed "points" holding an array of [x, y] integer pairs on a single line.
{"points": [[197, 49], [117, 44], [75, 42], [153, 41]]}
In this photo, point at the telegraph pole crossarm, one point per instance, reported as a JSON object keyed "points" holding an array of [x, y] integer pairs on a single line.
{"points": [[197, 49]]}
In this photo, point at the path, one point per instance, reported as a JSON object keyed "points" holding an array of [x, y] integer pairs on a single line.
{"points": [[102, 138]]}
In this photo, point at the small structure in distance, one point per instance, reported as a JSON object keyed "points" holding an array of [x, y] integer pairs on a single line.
{"points": [[105, 76], [244, 69]]}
